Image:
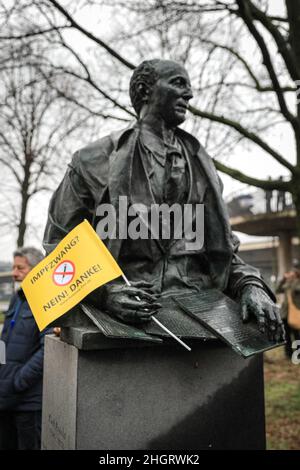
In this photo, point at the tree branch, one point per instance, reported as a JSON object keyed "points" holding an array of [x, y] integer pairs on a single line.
{"points": [[265, 89], [242, 130], [34, 33], [246, 15], [91, 36], [282, 44], [93, 84], [264, 184], [238, 56], [5, 163], [71, 99]]}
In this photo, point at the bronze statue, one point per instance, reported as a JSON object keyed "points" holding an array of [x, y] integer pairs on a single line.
{"points": [[154, 161]]}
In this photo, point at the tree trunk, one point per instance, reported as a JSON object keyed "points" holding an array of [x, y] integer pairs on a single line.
{"points": [[22, 226], [293, 11]]}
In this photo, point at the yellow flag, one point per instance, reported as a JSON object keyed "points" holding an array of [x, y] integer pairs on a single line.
{"points": [[79, 264]]}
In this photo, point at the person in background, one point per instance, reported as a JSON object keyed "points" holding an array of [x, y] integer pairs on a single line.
{"points": [[268, 197], [281, 198], [22, 375], [290, 308]]}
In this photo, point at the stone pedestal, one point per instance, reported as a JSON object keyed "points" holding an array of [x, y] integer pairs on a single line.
{"points": [[152, 397]]}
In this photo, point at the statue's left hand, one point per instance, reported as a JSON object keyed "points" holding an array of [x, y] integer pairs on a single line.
{"points": [[255, 301]]}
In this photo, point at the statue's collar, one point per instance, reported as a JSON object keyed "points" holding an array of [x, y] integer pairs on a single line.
{"points": [[119, 136]]}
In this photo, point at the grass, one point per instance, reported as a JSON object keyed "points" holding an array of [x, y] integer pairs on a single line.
{"points": [[282, 395], [1, 318]]}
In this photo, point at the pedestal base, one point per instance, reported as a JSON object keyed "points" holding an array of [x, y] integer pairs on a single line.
{"points": [[155, 397]]}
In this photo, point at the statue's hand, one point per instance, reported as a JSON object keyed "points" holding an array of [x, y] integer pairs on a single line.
{"points": [[255, 301], [121, 301]]}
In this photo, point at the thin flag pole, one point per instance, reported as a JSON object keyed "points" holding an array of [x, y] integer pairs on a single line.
{"points": [[158, 322]]}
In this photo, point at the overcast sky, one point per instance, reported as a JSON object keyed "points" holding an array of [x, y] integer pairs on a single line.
{"points": [[253, 162]]}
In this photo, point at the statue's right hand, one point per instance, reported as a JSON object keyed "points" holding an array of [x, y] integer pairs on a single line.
{"points": [[121, 301]]}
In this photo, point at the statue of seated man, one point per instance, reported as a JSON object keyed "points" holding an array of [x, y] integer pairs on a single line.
{"points": [[154, 162]]}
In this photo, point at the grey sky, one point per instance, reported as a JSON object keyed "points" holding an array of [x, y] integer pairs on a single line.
{"points": [[252, 161]]}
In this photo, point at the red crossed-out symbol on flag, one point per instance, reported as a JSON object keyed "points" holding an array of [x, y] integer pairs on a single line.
{"points": [[64, 273]]}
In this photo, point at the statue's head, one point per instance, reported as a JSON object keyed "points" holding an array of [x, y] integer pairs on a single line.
{"points": [[163, 88]]}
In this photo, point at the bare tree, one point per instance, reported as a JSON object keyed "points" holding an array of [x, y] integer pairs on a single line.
{"points": [[244, 62], [248, 73], [34, 122]]}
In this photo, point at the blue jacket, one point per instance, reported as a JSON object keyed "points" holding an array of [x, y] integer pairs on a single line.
{"points": [[21, 378]]}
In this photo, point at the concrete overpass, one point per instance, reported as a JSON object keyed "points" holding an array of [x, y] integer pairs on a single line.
{"points": [[255, 212]]}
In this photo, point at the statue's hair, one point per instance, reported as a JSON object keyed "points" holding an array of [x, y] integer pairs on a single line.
{"points": [[144, 76]]}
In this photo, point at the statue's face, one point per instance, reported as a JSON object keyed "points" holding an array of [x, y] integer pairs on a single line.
{"points": [[171, 93]]}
